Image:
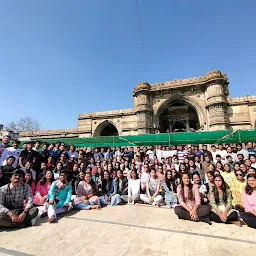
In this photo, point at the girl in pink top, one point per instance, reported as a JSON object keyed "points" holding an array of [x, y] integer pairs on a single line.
{"points": [[42, 188], [189, 207], [249, 201]]}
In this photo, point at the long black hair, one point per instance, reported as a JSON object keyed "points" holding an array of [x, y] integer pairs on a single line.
{"points": [[43, 180], [190, 186], [223, 188], [92, 183], [170, 183], [248, 188]]}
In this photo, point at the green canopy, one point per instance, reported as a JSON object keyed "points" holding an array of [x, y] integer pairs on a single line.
{"points": [[226, 136]]}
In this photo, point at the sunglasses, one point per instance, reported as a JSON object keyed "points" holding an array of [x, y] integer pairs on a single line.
{"points": [[239, 174]]}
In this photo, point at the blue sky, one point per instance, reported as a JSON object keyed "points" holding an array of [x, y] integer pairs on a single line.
{"points": [[62, 58]]}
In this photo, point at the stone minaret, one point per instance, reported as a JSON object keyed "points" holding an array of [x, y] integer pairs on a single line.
{"points": [[143, 108], [216, 100]]}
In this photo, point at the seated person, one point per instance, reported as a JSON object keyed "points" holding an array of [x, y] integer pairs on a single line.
{"points": [[221, 202], [109, 191], [6, 171], [152, 190], [249, 201], [12, 197], [170, 188], [190, 207], [42, 188], [122, 186], [201, 187], [86, 198], [59, 197], [133, 187], [237, 190], [28, 179], [27, 168]]}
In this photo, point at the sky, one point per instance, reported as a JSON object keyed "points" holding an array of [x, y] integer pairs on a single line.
{"points": [[61, 58]]}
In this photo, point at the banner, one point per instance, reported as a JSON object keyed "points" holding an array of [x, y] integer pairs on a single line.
{"points": [[161, 153]]}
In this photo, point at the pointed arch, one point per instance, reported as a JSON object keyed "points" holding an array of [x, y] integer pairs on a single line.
{"points": [[179, 98], [106, 128]]}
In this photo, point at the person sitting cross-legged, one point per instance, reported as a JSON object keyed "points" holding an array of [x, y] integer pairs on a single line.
{"points": [[221, 202], [190, 207], [86, 198], [59, 197], [12, 198], [152, 190]]}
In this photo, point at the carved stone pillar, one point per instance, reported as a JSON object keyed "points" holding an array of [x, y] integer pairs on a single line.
{"points": [[217, 106], [143, 108]]}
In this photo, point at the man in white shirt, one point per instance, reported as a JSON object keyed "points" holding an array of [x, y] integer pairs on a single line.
{"points": [[222, 152], [72, 152], [11, 151], [150, 154]]}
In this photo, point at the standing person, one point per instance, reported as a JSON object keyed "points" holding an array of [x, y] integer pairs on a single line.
{"points": [[86, 198], [11, 151], [181, 153], [152, 190], [170, 188], [249, 201], [214, 153], [5, 144], [133, 187], [29, 155], [72, 152], [237, 190], [59, 197], [206, 153], [6, 171], [222, 152], [12, 197], [221, 202], [36, 146], [242, 151], [44, 153], [42, 188], [190, 207]]}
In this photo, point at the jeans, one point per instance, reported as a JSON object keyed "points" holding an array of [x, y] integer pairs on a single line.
{"points": [[82, 206]]}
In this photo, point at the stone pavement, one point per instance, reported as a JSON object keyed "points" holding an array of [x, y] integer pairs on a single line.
{"points": [[127, 230]]}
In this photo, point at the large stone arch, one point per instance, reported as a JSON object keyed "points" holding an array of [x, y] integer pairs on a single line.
{"points": [[100, 128], [181, 99]]}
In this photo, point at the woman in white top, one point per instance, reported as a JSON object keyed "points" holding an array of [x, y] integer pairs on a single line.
{"points": [[133, 187]]}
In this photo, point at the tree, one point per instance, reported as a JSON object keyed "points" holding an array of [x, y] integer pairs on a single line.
{"points": [[25, 124]]}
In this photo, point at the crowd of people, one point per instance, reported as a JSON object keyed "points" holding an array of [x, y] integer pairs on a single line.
{"points": [[217, 184]]}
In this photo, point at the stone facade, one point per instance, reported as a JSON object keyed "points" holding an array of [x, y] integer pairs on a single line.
{"points": [[207, 96]]}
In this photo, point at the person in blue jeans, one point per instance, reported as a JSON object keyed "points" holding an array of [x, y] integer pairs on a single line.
{"points": [[86, 198], [109, 191]]}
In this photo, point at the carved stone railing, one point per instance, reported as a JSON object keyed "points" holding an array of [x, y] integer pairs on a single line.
{"points": [[107, 113], [244, 99], [212, 75], [44, 132]]}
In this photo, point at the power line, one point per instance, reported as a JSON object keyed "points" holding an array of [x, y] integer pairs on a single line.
{"points": [[142, 41]]}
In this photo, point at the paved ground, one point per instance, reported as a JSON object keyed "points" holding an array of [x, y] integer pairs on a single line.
{"points": [[128, 230]]}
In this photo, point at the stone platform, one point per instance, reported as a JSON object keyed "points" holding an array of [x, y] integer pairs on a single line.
{"points": [[127, 230]]}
